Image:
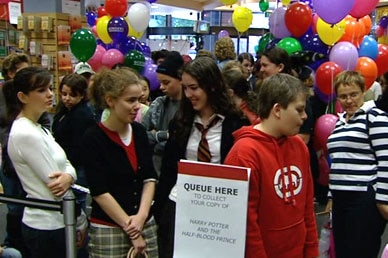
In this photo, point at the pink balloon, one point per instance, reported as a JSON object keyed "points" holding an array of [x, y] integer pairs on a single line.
{"points": [[95, 60], [338, 107], [362, 7], [94, 30], [323, 128], [344, 54], [112, 57], [314, 23]]}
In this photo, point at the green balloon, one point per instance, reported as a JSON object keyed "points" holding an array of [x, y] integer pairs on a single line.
{"points": [[263, 42], [264, 5], [83, 44], [290, 44], [135, 60]]}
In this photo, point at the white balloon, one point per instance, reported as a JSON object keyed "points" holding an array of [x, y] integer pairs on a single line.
{"points": [[139, 16]]}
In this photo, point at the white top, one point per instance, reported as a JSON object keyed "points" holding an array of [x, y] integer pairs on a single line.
{"points": [[35, 155]]}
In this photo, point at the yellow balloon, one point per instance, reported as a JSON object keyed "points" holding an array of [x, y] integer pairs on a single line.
{"points": [[242, 18], [286, 2], [228, 2], [330, 33], [102, 29]]}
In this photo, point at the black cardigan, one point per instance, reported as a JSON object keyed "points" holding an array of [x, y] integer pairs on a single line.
{"points": [[108, 169]]}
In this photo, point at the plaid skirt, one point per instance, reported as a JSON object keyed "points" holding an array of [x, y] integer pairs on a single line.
{"points": [[115, 243]]}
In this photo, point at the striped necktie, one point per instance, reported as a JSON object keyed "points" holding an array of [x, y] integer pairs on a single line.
{"points": [[203, 153]]}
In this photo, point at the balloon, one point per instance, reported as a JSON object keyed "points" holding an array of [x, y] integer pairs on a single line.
{"points": [[146, 49], [383, 23], [326, 98], [328, 33], [338, 107], [345, 55], [150, 73], [382, 59], [367, 21], [95, 60], [354, 31], [112, 57], [312, 42], [368, 68], [223, 34], [139, 16], [379, 31], [91, 18], [228, 2], [263, 5], [325, 75], [368, 47], [272, 43], [277, 24], [117, 28], [152, 1], [242, 18], [333, 11], [286, 2], [83, 44], [94, 30], [323, 127], [298, 18], [363, 7], [147, 60], [102, 29], [116, 7], [290, 44], [263, 42], [308, 2], [314, 23], [135, 60], [101, 11]]}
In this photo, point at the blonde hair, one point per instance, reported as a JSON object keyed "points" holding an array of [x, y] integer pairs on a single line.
{"points": [[224, 49]]}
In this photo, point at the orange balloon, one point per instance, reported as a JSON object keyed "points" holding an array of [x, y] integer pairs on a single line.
{"points": [[354, 31], [367, 21], [368, 68]]}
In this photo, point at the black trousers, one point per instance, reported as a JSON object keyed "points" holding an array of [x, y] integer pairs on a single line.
{"points": [[357, 224], [166, 230]]}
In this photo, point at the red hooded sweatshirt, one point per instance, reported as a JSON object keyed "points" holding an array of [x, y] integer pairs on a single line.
{"points": [[281, 220]]}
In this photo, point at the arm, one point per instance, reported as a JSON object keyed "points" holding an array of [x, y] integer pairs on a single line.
{"points": [[240, 155], [153, 115], [112, 209]]}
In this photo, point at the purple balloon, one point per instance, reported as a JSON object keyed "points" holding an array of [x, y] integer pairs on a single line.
{"points": [[333, 11], [150, 73], [223, 34], [117, 28], [148, 60], [345, 55], [152, 1], [383, 22], [277, 24], [308, 2], [323, 97], [127, 45], [91, 18]]}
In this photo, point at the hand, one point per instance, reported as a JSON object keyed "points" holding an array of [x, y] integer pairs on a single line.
{"points": [[383, 209], [139, 244], [81, 236], [135, 226], [329, 205], [60, 183]]}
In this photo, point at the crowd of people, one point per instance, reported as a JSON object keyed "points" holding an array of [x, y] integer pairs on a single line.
{"points": [[111, 134]]}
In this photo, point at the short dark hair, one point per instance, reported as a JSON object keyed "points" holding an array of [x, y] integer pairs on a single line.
{"points": [[11, 62]]}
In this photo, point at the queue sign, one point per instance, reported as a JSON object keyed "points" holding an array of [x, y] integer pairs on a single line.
{"points": [[211, 210]]}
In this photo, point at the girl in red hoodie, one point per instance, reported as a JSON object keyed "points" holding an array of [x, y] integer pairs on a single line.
{"points": [[281, 221]]}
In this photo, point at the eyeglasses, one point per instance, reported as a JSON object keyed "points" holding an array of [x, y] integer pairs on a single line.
{"points": [[352, 96]]}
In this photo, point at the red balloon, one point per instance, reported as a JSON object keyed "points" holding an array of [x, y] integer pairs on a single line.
{"points": [[116, 7], [323, 127], [382, 59], [379, 31], [325, 75], [354, 31], [324, 171], [101, 11], [298, 18], [368, 68]]}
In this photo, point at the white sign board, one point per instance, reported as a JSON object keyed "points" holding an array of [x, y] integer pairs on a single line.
{"points": [[211, 210]]}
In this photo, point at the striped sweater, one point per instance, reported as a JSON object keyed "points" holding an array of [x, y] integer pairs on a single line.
{"points": [[359, 157]]}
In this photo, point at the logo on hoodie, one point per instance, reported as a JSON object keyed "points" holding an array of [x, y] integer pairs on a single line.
{"points": [[288, 182]]}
